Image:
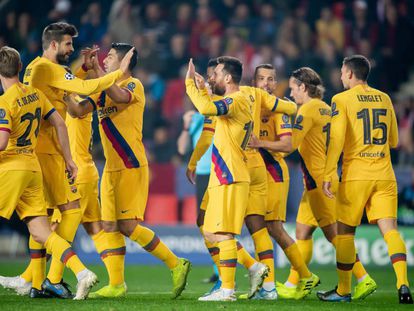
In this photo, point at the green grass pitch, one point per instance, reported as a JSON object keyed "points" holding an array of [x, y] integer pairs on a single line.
{"points": [[149, 289]]}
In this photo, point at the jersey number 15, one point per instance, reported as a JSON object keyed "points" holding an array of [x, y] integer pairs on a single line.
{"points": [[376, 124]]}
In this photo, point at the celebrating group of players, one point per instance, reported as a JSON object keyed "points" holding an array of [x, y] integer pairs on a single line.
{"points": [[252, 132], [39, 172]]}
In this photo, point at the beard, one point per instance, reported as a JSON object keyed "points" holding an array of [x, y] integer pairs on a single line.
{"points": [[218, 90], [62, 59]]}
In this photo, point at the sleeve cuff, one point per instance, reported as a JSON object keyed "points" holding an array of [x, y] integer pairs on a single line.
{"points": [[47, 115]]}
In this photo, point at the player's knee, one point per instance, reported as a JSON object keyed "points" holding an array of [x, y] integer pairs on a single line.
{"points": [[275, 228], [303, 234], [92, 228], [255, 223], [127, 227], [109, 226], [210, 237]]}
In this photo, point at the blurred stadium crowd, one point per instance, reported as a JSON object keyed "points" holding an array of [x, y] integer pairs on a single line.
{"points": [[288, 34]]}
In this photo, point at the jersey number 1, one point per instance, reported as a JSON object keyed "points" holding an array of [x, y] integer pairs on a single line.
{"points": [[22, 140], [376, 124], [248, 127]]}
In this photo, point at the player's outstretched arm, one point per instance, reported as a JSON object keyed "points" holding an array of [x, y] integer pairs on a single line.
{"points": [[276, 104], [68, 82], [77, 108], [56, 120], [282, 145]]}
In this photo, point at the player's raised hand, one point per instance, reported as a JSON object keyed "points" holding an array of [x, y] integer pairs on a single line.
{"points": [[72, 169], [326, 187], [199, 80], [254, 142], [126, 60], [190, 176], [191, 70], [89, 56]]}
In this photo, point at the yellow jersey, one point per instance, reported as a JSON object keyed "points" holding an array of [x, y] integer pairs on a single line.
{"points": [[54, 81], [233, 128], [272, 128], [80, 139], [261, 99], [120, 127], [364, 127], [21, 109], [311, 137]]}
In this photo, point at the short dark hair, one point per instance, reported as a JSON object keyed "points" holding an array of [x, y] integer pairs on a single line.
{"points": [[233, 66], [263, 66], [311, 80], [56, 31], [10, 63], [359, 65], [212, 62], [123, 48]]}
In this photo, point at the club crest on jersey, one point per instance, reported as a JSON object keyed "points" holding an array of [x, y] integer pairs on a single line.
{"points": [[131, 86], [299, 120], [69, 76], [285, 118], [334, 111], [2, 113], [228, 100]]}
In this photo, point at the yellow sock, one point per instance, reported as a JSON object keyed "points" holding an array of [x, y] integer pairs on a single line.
{"points": [[243, 257], [358, 270], [294, 255], [37, 263], [152, 243], [264, 249], [305, 248], [111, 248], [67, 230], [398, 256], [214, 252], [345, 258], [27, 274], [61, 249], [228, 263]]}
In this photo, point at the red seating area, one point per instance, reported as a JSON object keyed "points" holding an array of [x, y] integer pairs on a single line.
{"points": [[164, 207]]}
